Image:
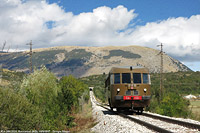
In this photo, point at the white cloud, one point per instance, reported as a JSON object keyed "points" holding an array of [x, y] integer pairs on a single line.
{"points": [[49, 25], [22, 22], [94, 28], [181, 36]]}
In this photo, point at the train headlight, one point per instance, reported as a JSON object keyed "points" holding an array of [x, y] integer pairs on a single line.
{"points": [[118, 89], [145, 90]]}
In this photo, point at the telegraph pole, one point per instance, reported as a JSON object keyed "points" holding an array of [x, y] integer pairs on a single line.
{"points": [[161, 70], [1, 65], [30, 60], [4, 44]]}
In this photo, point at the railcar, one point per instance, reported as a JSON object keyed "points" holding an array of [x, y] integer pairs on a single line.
{"points": [[128, 88]]}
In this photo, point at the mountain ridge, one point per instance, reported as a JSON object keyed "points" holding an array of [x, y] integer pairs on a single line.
{"points": [[83, 61]]}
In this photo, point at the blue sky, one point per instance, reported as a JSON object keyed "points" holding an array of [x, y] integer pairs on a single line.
{"points": [[148, 10], [49, 23]]}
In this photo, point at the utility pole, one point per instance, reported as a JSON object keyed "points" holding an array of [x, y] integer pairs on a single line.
{"points": [[30, 59], [4, 44], [1, 65], [161, 70]]}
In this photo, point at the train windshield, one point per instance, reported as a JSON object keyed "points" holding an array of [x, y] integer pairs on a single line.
{"points": [[126, 78], [137, 78], [145, 78], [117, 78]]}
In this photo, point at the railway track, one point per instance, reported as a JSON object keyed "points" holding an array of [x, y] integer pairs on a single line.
{"points": [[170, 125], [158, 123], [146, 124], [182, 123]]}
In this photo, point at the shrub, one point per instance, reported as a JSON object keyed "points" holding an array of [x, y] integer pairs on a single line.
{"points": [[100, 93], [17, 113], [173, 105], [41, 89], [40, 103], [71, 90]]}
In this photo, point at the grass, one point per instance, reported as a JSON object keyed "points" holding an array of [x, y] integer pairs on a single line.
{"points": [[195, 109], [125, 54], [4, 82], [84, 120], [195, 103]]}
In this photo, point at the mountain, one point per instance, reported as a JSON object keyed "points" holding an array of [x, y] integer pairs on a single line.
{"points": [[85, 61]]}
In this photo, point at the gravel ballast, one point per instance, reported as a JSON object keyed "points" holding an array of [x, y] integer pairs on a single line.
{"points": [[112, 123], [108, 122]]}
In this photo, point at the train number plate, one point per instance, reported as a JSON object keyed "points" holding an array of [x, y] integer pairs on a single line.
{"points": [[132, 97]]}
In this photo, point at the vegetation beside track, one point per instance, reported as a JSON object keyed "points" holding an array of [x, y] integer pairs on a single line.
{"points": [[39, 101], [195, 109], [98, 82]]}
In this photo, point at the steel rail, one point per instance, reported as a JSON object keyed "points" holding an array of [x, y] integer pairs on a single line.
{"points": [[146, 124], [182, 123], [153, 127]]}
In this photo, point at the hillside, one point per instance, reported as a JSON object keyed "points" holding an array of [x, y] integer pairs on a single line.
{"points": [[85, 61]]}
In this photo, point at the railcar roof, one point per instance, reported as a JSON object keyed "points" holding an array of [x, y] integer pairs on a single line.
{"points": [[127, 69]]}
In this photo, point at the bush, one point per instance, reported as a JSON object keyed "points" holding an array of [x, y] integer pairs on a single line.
{"points": [[100, 93], [98, 82], [71, 90], [41, 103], [17, 113], [173, 105], [41, 88]]}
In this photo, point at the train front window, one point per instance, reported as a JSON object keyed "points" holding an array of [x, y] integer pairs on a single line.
{"points": [[137, 78], [126, 78], [117, 78], [145, 78]]}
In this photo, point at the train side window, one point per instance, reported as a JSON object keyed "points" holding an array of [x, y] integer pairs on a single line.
{"points": [[137, 78], [111, 79], [145, 78], [117, 78], [126, 78]]}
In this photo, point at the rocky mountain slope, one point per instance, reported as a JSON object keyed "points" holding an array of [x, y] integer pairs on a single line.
{"points": [[84, 61]]}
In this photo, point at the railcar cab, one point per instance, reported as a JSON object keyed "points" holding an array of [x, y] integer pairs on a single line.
{"points": [[128, 87]]}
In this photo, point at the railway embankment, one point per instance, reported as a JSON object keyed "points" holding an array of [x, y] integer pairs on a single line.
{"points": [[108, 121]]}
